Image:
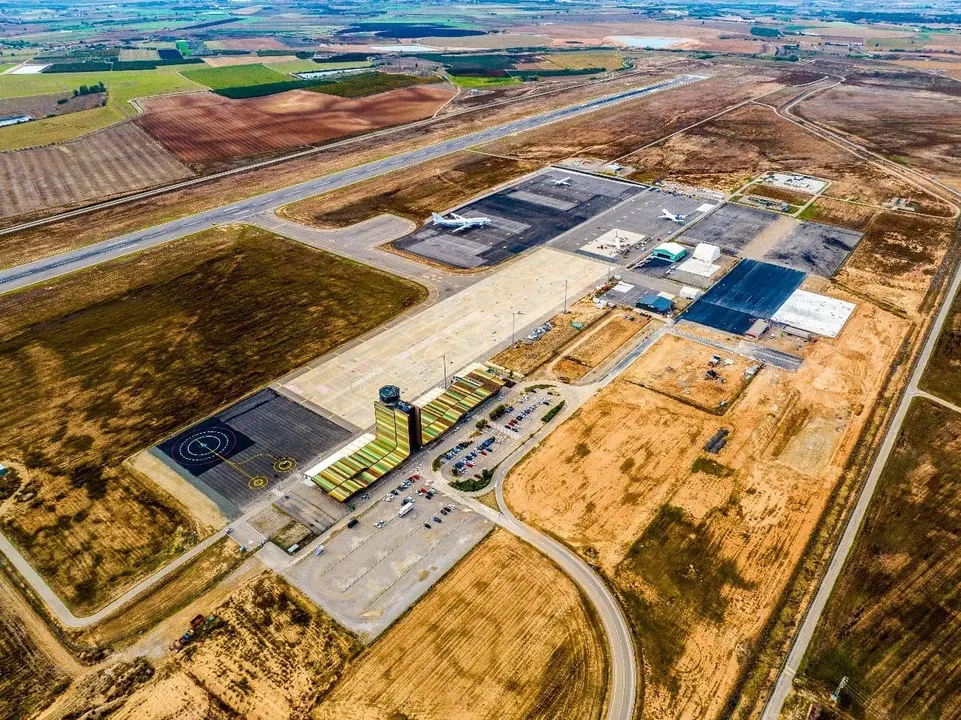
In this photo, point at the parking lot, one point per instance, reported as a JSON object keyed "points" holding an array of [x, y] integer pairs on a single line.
{"points": [[522, 416], [524, 215], [730, 227], [369, 574], [815, 248]]}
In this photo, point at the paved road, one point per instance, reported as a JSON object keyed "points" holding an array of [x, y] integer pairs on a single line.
{"points": [[785, 680], [73, 260]]}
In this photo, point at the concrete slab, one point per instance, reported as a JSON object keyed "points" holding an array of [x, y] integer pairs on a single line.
{"points": [[466, 327]]}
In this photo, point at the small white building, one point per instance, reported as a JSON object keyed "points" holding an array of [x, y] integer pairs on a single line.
{"points": [[707, 252]]}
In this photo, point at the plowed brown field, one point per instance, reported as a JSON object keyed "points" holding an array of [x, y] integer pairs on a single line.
{"points": [[505, 635], [108, 163], [204, 127]]}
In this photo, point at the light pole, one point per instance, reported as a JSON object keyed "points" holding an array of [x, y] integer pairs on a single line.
{"points": [[514, 314], [445, 371], [565, 296]]}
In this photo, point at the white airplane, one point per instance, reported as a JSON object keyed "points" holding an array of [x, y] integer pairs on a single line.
{"points": [[668, 215], [566, 182], [459, 222]]}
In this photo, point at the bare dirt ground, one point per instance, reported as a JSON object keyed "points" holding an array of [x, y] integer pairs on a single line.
{"points": [[412, 193], [618, 131], [915, 126], [114, 161], [841, 213], [526, 356], [727, 152], [503, 635], [891, 623], [108, 361], [700, 546], [677, 367], [603, 342], [57, 237], [942, 377], [202, 128], [42, 106], [897, 257], [265, 652]]}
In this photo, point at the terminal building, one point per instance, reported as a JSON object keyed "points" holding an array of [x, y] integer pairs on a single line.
{"points": [[401, 428]]}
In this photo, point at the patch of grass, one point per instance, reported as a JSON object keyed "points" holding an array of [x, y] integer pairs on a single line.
{"points": [[711, 467], [471, 81], [234, 76], [549, 415], [670, 579], [473, 484], [105, 362], [890, 623]]}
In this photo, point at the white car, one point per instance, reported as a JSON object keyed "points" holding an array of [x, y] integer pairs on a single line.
{"points": [[388, 498]]}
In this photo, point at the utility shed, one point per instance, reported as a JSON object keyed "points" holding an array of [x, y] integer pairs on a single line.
{"points": [[669, 251], [818, 314]]}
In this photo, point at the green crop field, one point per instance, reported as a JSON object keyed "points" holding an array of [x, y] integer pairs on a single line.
{"points": [[233, 76], [122, 87], [295, 66], [469, 81], [370, 84]]}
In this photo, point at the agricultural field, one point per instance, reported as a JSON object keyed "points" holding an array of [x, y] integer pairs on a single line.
{"points": [[122, 87], [598, 346], [224, 78], [203, 129], [471, 81], [504, 635], [366, 84], [615, 132], [527, 356], [31, 674], [700, 546], [90, 528], [575, 61], [112, 162], [891, 621], [42, 106], [915, 126], [412, 193], [942, 377]]}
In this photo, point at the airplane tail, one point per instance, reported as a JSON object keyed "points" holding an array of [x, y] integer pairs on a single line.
{"points": [[436, 217]]}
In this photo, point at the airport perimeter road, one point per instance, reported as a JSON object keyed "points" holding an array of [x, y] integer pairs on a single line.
{"points": [[73, 260]]}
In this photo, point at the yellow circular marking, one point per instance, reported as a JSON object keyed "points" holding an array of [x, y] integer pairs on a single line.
{"points": [[285, 464], [258, 481]]}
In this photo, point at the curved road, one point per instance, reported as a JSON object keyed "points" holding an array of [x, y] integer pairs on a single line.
{"points": [[73, 260]]}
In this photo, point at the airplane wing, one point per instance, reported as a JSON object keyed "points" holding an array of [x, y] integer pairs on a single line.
{"points": [[455, 216]]}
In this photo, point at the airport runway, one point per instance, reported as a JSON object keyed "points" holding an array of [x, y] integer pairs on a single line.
{"points": [[42, 270]]}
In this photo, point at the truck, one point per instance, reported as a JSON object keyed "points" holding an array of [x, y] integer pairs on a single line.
{"points": [[404, 509]]}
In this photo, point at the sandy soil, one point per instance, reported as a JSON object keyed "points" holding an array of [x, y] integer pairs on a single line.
{"points": [[676, 367], [504, 635], [205, 127], [104, 164], [201, 508], [701, 546]]}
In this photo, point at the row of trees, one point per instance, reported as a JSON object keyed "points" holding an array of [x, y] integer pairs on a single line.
{"points": [[90, 89]]}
